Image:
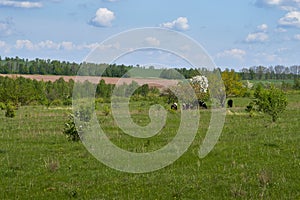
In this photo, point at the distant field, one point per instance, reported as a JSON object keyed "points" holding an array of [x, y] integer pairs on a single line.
{"points": [[93, 79], [273, 81], [253, 159]]}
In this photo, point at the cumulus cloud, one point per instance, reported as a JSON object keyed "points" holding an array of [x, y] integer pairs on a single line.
{"points": [[233, 53], [67, 45], [50, 45], [263, 27], [260, 35], [103, 18], [257, 37], [21, 4], [291, 19], [152, 41], [288, 5], [25, 44], [180, 24]]}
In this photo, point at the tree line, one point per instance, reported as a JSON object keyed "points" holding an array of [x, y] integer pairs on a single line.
{"points": [[54, 67], [22, 91]]}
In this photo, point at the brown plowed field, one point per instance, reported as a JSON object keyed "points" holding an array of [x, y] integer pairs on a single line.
{"points": [[159, 83]]}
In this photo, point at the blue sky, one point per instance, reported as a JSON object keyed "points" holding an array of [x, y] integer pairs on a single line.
{"points": [[235, 33]]}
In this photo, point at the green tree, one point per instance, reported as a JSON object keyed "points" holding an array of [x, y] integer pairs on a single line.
{"points": [[271, 101], [233, 83]]}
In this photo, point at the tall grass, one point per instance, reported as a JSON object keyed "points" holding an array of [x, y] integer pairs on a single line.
{"points": [[253, 159]]}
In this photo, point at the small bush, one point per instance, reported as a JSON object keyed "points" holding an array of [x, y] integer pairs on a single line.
{"points": [[70, 129], [106, 110], [296, 85], [2, 106], [10, 111], [271, 101]]}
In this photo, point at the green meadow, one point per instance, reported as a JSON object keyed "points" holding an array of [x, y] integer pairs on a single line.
{"points": [[253, 159]]}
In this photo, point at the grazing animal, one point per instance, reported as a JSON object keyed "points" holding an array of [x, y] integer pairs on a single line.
{"points": [[202, 104], [174, 106], [230, 103]]}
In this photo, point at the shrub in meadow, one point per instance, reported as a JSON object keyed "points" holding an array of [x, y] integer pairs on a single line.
{"points": [[271, 101], [70, 129], [10, 110]]}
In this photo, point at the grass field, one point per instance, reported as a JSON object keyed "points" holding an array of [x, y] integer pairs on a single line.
{"points": [[253, 159]]}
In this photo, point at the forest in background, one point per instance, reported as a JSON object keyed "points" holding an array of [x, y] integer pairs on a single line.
{"points": [[54, 67], [22, 91]]}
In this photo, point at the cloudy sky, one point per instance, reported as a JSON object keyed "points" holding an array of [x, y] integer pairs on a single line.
{"points": [[235, 33]]}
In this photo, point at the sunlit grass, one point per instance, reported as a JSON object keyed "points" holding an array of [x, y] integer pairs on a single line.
{"points": [[253, 159]]}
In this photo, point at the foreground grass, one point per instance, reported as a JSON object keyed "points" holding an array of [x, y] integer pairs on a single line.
{"points": [[254, 159]]}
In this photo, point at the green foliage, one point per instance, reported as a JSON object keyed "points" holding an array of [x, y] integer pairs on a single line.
{"points": [[106, 110], [10, 110], [2, 106], [233, 84], [271, 101], [170, 74], [70, 129], [296, 85]]}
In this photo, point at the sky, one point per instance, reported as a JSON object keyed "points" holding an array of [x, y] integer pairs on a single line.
{"points": [[234, 33]]}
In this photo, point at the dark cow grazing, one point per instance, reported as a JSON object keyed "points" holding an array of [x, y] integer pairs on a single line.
{"points": [[174, 106], [230, 103], [194, 105], [202, 104]]}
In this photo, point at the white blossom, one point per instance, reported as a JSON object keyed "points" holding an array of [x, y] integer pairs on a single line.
{"points": [[202, 81]]}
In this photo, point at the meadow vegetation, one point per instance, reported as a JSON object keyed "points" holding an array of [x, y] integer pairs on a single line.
{"points": [[253, 159], [256, 157]]}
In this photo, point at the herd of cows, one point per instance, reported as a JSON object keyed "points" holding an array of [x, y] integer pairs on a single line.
{"points": [[197, 104]]}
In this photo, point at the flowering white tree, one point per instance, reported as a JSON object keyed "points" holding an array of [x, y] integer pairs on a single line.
{"points": [[200, 83], [183, 92]]}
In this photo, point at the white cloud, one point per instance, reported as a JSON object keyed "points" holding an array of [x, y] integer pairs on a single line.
{"points": [[180, 24], [297, 37], [233, 53], [291, 19], [152, 41], [21, 4], [48, 44], [257, 37], [288, 5], [262, 27], [25, 44], [87, 46], [103, 18], [67, 45]]}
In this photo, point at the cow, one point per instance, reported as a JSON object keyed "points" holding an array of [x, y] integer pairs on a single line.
{"points": [[202, 104], [230, 103], [174, 106]]}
